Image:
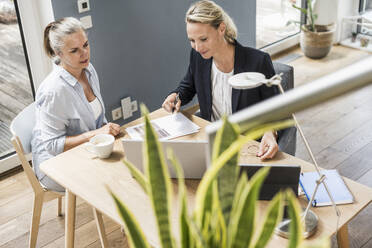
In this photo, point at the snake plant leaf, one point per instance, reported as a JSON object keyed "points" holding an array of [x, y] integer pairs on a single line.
{"points": [[205, 231], [295, 226], [183, 217], [137, 174], [132, 229], [210, 227], [219, 162], [217, 223], [241, 227], [243, 181], [208, 206], [197, 237], [274, 214], [228, 175], [159, 190]]}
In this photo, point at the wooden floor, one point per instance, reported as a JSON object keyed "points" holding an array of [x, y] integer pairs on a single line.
{"points": [[15, 88], [340, 133]]}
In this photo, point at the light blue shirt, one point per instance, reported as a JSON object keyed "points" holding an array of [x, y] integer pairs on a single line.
{"points": [[62, 109]]}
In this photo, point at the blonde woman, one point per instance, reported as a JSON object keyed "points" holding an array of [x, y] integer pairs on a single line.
{"points": [[215, 56], [69, 105]]}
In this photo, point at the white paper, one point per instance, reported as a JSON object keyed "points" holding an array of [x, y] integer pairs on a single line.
{"points": [[168, 127]]}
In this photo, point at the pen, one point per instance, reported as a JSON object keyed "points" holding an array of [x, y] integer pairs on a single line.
{"points": [[175, 102]]}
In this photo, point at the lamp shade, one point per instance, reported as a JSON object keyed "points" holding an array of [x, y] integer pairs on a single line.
{"points": [[247, 80]]}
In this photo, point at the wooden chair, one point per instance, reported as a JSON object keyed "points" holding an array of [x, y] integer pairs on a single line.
{"points": [[21, 128]]}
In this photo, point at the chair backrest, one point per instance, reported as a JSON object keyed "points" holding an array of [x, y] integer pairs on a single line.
{"points": [[287, 77], [21, 128], [287, 138]]}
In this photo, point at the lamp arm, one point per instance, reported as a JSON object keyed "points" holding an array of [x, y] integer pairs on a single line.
{"points": [[318, 182], [321, 176], [282, 106]]}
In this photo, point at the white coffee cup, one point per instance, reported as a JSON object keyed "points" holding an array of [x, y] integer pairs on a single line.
{"points": [[101, 145]]}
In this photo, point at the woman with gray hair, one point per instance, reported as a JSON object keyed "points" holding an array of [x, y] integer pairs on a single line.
{"points": [[216, 56], [69, 105]]}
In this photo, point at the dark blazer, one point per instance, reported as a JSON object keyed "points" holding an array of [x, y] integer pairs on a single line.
{"points": [[198, 80]]}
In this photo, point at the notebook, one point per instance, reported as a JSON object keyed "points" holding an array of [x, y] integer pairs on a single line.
{"points": [[336, 186]]}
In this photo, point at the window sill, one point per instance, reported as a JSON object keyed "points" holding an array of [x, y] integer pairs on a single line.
{"points": [[282, 45]]}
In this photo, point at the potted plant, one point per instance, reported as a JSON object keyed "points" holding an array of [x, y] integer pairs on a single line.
{"points": [[225, 208], [316, 40]]}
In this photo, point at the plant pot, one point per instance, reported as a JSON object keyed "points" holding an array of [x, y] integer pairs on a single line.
{"points": [[316, 45]]}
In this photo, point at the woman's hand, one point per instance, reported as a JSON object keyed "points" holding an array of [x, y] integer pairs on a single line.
{"points": [[109, 128], [170, 104], [268, 146]]}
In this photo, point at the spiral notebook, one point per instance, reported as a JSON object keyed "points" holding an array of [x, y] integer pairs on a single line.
{"points": [[337, 187]]}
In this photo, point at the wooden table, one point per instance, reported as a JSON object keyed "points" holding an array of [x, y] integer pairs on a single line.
{"points": [[86, 176]]}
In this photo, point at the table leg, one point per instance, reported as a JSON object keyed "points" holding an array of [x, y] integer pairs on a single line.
{"points": [[100, 227], [343, 237], [70, 219]]}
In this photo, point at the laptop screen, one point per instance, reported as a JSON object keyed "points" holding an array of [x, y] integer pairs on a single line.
{"points": [[190, 153], [280, 177]]}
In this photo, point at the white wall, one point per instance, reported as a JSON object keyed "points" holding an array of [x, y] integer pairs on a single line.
{"points": [[332, 11], [326, 10]]}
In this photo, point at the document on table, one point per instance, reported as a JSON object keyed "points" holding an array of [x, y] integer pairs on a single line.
{"points": [[168, 127]]}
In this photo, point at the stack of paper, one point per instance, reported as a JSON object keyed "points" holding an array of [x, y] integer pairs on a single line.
{"points": [[168, 127], [336, 186]]}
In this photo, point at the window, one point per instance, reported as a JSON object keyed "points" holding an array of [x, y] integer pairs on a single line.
{"points": [[276, 21], [365, 9], [365, 5], [32, 17], [16, 82]]}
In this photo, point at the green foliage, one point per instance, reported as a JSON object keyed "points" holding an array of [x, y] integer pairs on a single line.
{"points": [[225, 211], [228, 175], [310, 16], [136, 237], [159, 184]]}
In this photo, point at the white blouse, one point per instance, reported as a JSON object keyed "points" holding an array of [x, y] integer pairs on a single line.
{"points": [[97, 108], [221, 93]]}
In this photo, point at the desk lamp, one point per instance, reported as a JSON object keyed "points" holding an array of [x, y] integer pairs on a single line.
{"points": [[283, 106], [249, 80]]}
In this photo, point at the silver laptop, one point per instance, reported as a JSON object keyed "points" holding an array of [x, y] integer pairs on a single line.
{"points": [[190, 153]]}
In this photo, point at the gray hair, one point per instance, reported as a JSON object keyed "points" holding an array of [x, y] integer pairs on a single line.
{"points": [[208, 12], [56, 31]]}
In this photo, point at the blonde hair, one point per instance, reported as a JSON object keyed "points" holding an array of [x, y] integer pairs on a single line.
{"points": [[56, 31], [208, 12]]}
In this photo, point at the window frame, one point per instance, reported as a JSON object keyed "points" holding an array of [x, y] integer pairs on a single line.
{"points": [[287, 42]]}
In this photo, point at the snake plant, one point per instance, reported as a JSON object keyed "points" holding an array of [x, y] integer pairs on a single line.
{"points": [[225, 213]]}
